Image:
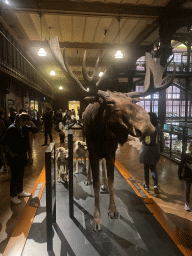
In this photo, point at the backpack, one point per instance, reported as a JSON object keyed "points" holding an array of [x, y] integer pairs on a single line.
{"points": [[151, 140]]}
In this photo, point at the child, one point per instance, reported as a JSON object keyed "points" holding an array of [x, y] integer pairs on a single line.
{"points": [[185, 168]]}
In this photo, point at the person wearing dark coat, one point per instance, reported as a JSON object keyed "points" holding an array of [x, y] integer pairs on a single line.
{"points": [[12, 116], [185, 173], [149, 154], [4, 124], [28, 133], [48, 124], [14, 144]]}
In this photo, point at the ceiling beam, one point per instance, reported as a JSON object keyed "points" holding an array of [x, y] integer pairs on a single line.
{"points": [[96, 46], [84, 8]]}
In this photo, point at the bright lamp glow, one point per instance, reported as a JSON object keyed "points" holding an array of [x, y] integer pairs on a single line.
{"points": [[7, 2], [88, 89], [100, 74], [52, 73], [119, 55], [42, 52], [60, 88]]}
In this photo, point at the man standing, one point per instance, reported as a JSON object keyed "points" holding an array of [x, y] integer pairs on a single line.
{"points": [[14, 144], [48, 124]]}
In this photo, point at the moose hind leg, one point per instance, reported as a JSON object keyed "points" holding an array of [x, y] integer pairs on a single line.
{"points": [[58, 173], [104, 186], [94, 161], [113, 213]]}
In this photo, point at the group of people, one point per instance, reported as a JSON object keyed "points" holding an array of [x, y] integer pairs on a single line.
{"points": [[149, 155], [16, 149], [64, 120], [16, 135]]}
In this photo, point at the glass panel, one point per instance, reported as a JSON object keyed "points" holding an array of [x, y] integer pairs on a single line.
{"points": [[141, 103], [176, 89], [189, 146], [169, 89], [155, 106], [176, 147], [167, 127], [182, 108], [177, 57], [155, 95], [169, 96], [166, 143]]}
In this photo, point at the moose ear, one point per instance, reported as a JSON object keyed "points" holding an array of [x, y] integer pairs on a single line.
{"points": [[104, 97], [90, 99]]}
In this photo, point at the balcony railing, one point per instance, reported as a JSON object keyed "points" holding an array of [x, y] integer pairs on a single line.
{"points": [[13, 62]]}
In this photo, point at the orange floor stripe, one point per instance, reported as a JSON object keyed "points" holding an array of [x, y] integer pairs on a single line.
{"points": [[19, 236], [172, 230], [18, 239]]}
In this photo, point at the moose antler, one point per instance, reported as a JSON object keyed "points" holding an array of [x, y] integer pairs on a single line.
{"points": [[154, 68], [62, 61]]}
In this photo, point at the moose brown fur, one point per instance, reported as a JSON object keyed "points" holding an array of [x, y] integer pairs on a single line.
{"points": [[112, 117], [108, 122]]}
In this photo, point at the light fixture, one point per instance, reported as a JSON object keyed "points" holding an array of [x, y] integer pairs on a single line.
{"points": [[88, 89], [119, 54], [100, 74], [41, 51], [7, 2], [52, 73], [60, 88], [190, 29]]}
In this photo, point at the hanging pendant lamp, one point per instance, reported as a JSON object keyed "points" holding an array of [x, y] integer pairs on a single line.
{"points": [[119, 54], [41, 51]]}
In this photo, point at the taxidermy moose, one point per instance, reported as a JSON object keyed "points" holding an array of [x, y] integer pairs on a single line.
{"points": [[110, 118]]}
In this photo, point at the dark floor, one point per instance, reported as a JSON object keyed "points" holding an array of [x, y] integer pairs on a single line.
{"points": [[136, 233], [171, 198]]}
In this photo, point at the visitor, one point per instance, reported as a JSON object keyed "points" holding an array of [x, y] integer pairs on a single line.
{"points": [[149, 154], [14, 144], [48, 124], [185, 173]]}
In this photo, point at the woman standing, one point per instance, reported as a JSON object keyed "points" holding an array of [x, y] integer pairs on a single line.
{"points": [[150, 154]]}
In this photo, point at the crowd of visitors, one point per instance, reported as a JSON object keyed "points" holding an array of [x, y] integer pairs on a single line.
{"points": [[17, 133], [16, 139]]}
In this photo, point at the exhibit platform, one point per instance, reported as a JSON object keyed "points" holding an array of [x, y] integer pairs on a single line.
{"points": [[136, 232]]}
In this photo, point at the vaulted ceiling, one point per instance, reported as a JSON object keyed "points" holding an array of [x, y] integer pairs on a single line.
{"points": [[84, 25]]}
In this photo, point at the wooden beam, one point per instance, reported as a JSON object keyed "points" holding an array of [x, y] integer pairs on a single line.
{"points": [[88, 8], [96, 46]]}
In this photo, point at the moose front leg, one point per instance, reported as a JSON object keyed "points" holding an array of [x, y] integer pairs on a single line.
{"points": [[58, 173], [94, 161], [113, 213], [77, 166], [84, 163]]}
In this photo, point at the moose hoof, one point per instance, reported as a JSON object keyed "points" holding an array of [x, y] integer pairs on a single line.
{"points": [[96, 227], [87, 183], [114, 215], [76, 172], [104, 187]]}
